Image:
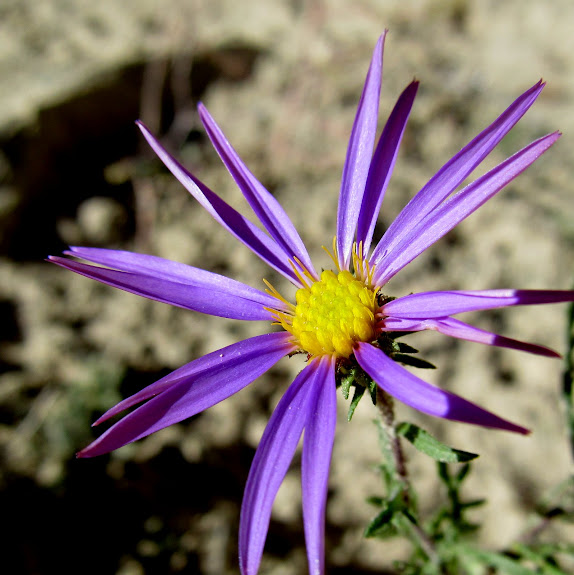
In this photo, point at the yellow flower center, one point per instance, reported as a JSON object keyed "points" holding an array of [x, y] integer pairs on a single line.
{"points": [[333, 314]]}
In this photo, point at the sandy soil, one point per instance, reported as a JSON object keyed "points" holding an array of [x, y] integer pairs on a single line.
{"points": [[282, 79]]}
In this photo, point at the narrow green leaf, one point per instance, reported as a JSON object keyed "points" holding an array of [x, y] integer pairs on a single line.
{"points": [[384, 525], [444, 474], [461, 475], [473, 503], [381, 522], [553, 548], [375, 500], [568, 379], [431, 446], [540, 559], [506, 565]]}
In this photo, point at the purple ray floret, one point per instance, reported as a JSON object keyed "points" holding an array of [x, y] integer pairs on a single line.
{"points": [[419, 394], [358, 161], [315, 463], [266, 207], [444, 303], [227, 371], [382, 165], [460, 330], [244, 230], [308, 403], [308, 406], [454, 172]]}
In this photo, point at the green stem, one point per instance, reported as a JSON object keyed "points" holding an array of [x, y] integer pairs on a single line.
{"points": [[385, 404]]}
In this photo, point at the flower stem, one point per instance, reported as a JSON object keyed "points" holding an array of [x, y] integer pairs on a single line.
{"points": [[385, 404]]}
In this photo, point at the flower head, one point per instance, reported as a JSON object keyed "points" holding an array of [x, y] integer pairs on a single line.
{"points": [[338, 318]]}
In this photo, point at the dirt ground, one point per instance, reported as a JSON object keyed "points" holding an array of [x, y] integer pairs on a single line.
{"points": [[282, 78]]}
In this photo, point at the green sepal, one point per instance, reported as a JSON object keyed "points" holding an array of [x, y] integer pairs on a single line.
{"points": [[413, 361], [397, 334], [373, 391], [359, 392], [405, 347], [427, 444], [346, 383], [352, 375]]}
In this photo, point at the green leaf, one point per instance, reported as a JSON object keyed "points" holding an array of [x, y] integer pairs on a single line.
{"points": [[376, 500], [505, 564], [537, 557], [461, 475], [568, 379], [432, 447], [413, 361], [473, 503], [382, 524]]}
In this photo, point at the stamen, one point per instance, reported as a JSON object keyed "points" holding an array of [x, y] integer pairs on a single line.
{"points": [[304, 269], [283, 319], [273, 292], [333, 314], [300, 276], [333, 255], [363, 270]]}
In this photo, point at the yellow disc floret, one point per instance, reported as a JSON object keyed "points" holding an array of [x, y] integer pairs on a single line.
{"points": [[333, 314]]}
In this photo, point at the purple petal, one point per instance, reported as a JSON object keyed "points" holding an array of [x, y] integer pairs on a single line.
{"points": [[278, 341], [455, 328], [195, 393], [316, 460], [217, 301], [270, 465], [359, 154], [441, 304], [245, 231], [180, 273], [453, 173], [448, 215], [382, 165], [423, 396], [265, 206]]}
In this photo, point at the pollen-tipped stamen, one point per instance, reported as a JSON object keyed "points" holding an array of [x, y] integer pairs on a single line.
{"points": [[333, 313], [333, 254], [363, 270]]}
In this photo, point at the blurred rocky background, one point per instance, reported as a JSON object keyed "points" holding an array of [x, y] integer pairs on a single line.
{"points": [[283, 79]]}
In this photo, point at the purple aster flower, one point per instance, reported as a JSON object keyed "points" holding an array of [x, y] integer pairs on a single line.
{"points": [[340, 317]]}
